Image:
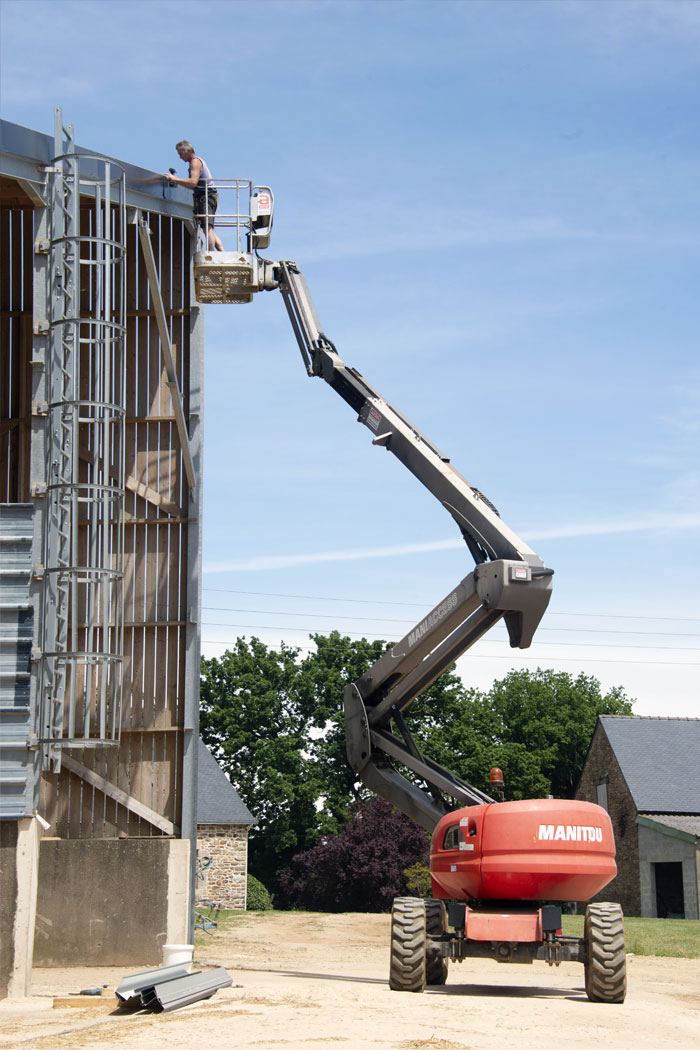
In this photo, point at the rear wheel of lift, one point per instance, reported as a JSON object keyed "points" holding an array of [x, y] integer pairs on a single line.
{"points": [[435, 926], [408, 942], [605, 965]]}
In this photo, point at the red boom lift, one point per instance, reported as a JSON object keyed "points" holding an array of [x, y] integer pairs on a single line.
{"points": [[502, 867]]}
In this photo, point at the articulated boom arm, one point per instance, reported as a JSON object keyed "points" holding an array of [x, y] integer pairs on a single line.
{"points": [[509, 581]]}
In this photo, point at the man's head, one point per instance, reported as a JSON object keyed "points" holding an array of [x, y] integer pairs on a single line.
{"points": [[185, 149]]}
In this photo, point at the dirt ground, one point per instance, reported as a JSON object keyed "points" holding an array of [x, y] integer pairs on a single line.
{"points": [[319, 982]]}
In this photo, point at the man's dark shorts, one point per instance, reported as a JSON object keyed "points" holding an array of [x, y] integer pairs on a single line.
{"points": [[205, 203]]}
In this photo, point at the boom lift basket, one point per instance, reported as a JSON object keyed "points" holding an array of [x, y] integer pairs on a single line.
{"points": [[232, 276]]}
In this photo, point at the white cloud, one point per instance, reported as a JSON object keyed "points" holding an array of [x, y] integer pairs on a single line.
{"points": [[643, 523], [672, 521]]}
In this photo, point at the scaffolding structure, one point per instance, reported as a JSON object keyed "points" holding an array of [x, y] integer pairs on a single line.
{"points": [[83, 572]]}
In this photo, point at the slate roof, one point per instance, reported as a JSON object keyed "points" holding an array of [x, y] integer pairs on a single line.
{"points": [[659, 759], [690, 825], [218, 802]]}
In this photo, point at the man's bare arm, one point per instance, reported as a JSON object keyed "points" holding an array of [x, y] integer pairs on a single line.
{"points": [[191, 182]]}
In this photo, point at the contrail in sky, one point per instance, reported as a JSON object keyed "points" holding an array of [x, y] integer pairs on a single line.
{"points": [[649, 523]]}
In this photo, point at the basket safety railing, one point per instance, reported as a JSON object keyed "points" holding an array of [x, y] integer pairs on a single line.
{"points": [[238, 204]]}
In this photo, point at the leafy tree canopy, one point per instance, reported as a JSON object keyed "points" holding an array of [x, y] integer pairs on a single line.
{"points": [[535, 725], [274, 721], [363, 867]]}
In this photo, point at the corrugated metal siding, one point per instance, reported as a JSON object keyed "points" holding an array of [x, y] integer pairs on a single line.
{"points": [[16, 631]]}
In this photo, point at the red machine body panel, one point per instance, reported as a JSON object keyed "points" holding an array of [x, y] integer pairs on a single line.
{"points": [[525, 926], [537, 849]]}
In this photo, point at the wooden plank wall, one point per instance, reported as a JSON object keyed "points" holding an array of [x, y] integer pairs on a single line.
{"points": [[147, 765], [16, 272]]}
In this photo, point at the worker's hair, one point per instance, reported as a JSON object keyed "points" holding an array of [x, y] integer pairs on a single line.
{"points": [[185, 145]]}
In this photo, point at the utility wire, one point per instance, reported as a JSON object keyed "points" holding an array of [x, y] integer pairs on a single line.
{"points": [[363, 634], [427, 605], [537, 659], [396, 619]]}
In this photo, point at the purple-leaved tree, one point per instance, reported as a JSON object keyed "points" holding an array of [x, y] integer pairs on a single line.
{"points": [[363, 867]]}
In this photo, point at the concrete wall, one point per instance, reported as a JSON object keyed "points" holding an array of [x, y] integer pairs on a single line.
{"points": [[601, 767], [8, 901], [111, 902], [224, 882], [656, 847], [19, 855]]}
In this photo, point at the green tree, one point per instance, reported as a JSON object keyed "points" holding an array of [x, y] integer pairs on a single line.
{"points": [[535, 725], [552, 715], [256, 720], [274, 721], [336, 661]]}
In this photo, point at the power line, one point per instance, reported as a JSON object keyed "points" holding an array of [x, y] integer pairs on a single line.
{"points": [[428, 604], [363, 634], [396, 619], [531, 659]]}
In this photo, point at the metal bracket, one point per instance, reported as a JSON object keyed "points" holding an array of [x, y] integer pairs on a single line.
{"points": [[42, 246], [41, 327]]}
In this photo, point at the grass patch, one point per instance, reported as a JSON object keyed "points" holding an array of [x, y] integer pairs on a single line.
{"points": [[678, 938], [674, 938]]}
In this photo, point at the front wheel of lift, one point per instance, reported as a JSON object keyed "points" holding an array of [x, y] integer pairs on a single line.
{"points": [[605, 963], [407, 971], [435, 926]]}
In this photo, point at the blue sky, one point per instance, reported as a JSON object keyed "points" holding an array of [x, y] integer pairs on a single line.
{"points": [[495, 206]]}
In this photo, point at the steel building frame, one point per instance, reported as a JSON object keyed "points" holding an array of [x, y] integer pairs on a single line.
{"points": [[101, 386]]}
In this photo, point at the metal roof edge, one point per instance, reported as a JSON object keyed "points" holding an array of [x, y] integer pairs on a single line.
{"points": [[25, 153], [650, 718], [665, 829], [227, 823]]}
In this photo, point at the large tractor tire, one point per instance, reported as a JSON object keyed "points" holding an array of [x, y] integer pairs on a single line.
{"points": [[408, 942], [435, 926], [605, 965]]}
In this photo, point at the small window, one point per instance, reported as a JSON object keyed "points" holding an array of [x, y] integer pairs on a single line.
{"points": [[451, 839], [602, 794]]}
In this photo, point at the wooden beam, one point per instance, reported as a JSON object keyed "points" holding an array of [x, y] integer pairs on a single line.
{"points": [[151, 496], [174, 520], [166, 349], [128, 801], [134, 485]]}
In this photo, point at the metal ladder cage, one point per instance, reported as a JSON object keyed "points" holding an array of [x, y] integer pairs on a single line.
{"points": [[80, 684]]}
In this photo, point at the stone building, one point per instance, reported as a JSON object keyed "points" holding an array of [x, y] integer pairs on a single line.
{"points": [[646, 773], [223, 823]]}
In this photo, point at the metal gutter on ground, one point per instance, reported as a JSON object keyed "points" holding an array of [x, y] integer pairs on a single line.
{"points": [[131, 987], [171, 987], [170, 995]]}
